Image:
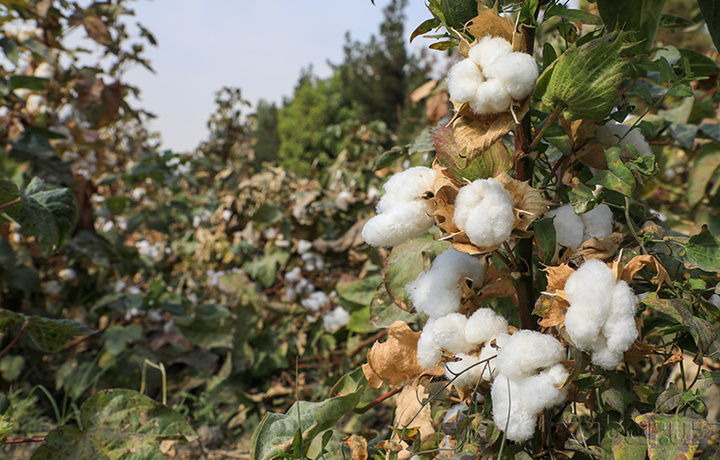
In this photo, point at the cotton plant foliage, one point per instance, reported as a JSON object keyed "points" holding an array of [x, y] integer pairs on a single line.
{"points": [[403, 211]]}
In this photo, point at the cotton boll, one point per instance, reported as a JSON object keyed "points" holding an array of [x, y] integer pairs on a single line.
{"points": [[517, 424], [611, 133], [517, 71], [539, 392], [491, 97], [526, 351], [463, 80], [557, 374], [447, 333], [488, 49], [462, 371], [427, 351], [597, 222], [484, 210], [404, 222], [606, 357], [624, 302], [589, 287], [406, 186], [336, 319], [583, 327], [436, 291], [484, 325], [569, 227], [620, 333]]}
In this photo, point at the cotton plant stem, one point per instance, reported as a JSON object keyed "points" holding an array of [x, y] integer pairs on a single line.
{"points": [[12, 342]]}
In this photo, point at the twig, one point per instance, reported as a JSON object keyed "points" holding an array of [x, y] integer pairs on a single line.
{"points": [[10, 203], [12, 342], [367, 342], [630, 224], [22, 440], [382, 398], [553, 115]]}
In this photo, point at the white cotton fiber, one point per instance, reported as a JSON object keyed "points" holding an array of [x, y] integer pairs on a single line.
{"points": [[436, 291], [539, 392], [484, 325], [402, 223], [569, 227], [491, 97], [427, 352], [611, 133], [527, 351], [488, 49], [336, 319], [597, 223], [517, 71], [448, 333], [518, 424], [606, 357], [465, 375], [463, 80], [405, 187], [402, 213], [484, 210], [590, 288], [624, 301]]}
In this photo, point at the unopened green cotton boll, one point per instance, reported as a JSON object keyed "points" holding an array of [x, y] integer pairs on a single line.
{"points": [[459, 12], [585, 79]]}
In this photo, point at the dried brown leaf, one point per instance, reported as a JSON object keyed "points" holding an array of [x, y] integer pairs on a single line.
{"points": [[557, 276], [358, 447], [580, 131], [629, 270], [596, 248], [410, 413], [591, 154], [488, 22], [529, 203], [395, 360]]}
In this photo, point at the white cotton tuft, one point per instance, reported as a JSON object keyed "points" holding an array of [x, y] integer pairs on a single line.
{"points": [[404, 222], [606, 357], [448, 333], [402, 213], [597, 223], [489, 49], [484, 210], [336, 319], [427, 352], [517, 71], [436, 291], [569, 227], [590, 288], [491, 97], [463, 80], [539, 392], [508, 415], [611, 133], [527, 351], [484, 325], [466, 376]]}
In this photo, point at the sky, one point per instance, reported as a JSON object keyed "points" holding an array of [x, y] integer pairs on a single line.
{"points": [[259, 46]]}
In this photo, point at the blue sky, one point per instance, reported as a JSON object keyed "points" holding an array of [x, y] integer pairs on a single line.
{"points": [[259, 46]]}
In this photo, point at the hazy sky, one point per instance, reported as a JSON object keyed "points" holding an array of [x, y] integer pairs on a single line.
{"points": [[259, 46]]}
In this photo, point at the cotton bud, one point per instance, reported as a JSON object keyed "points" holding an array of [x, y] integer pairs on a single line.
{"points": [[484, 211], [585, 79]]}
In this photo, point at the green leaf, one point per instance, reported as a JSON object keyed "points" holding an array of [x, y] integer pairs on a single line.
{"points": [[699, 64], [117, 337], [117, 424], [618, 177], [684, 134], [34, 147], [268, 213], [384, 312], [389, 157], [491, 163], [405, 263], [703, 251], [669, 399], [211, 327], [618, 399], [706, 163], [11, 49], [48, 334], [583, 17], [640, 16], [424, 28], [628, 447], [28, 82], [710, 10], [360, 292], [711, 130], [673, 436], [681, 311], [276, 432], [711, 378], [545, 232], [264, 269]]}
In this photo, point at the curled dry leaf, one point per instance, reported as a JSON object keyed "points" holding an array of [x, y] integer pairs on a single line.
{"points": [[529, 202], [358, 447], [552, 305], [630, 269], [410, 413], [596, 248], [489, 22], [395, 360]]}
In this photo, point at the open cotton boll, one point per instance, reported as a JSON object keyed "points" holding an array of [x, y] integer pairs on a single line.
{"points": [[403, 222], [407, 186], [620, 333], [462, 371], [527, 351], [624, 301], [463, 80], [590, 288], [611, 133], [491, 97], [539, 392], [508, 414], [517, 71], [606, 357], [484, 325], [436, 291], [427, 351], [488, 49], [569, 226], [447, 333], [597, 223], [484, 210], [336, 319]]}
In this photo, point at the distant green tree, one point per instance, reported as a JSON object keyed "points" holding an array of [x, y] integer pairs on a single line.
{"points": [[265, 132], [228, 129], [315, 105], [377, 76]]}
